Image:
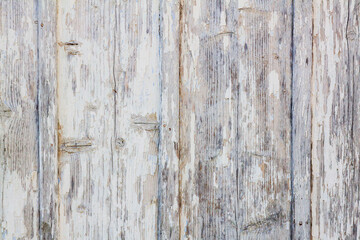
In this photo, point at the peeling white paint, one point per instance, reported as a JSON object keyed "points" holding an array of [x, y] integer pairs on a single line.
{"points": [[274, 84]]}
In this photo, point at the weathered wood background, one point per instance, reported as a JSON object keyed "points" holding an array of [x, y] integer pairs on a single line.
{"points": [[179, 119]]}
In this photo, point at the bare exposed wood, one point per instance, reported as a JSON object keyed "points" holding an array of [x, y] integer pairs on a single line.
{"points": [[168, 198], [301, 118], [235, 120], [48, 162], [264, 118]]}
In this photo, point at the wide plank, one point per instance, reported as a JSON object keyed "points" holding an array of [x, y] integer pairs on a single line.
{"points": [[335, 117], [235, 121], [136, 70], [85, 110], [19, 191]]}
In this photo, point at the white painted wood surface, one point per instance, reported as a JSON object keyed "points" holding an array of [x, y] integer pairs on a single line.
{"points": [[19, 189], [179, 119], [335, 104]]}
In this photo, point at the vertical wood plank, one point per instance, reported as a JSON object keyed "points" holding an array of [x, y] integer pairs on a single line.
{"points": [[209, 79], [138, 95], [235, 119], [353, 58], [48, 170], [301, 118], [86, 118], [264, 119], [18, 120], [168, 202], [335, 104], [140, 155]]}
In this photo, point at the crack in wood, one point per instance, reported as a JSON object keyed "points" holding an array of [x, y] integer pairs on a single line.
{"points": [[71, 43], [71, 47], [74, 146], [224, 33]]}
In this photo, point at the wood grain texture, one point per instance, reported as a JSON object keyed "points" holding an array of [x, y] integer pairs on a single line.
{"points": [[48, 149], [301, 119], [109, 66], [118, 107], [176, 119], [18, 120], [335, 152], [235, 120], [168, 192], [137, 79], [85, 118]]}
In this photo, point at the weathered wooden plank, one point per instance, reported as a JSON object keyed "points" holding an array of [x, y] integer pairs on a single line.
{"points": [[335, 128], [264, 119], [168, 202], [137, 69], [128, 169], [301, 118], [235, 119], [48, 170], [86, 118], [18, 120]]}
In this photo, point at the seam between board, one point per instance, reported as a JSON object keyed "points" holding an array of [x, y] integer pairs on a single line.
{"points": [[179, 121], [292, 201], [113, 142], [160, 135], [38, 116], [57, 125], [312, 114]]}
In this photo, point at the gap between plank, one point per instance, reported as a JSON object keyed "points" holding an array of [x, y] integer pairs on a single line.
{"points": [[292, 201], [160, 133], [312, 99], [181, 4], [58, 136], [38, 116]]}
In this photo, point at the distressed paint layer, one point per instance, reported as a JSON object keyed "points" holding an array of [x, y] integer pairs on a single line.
{"points": [[48, 162], [85, 110], [235, 120], [335, 128], [179, 119], [18, 120], [301, 119]]}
